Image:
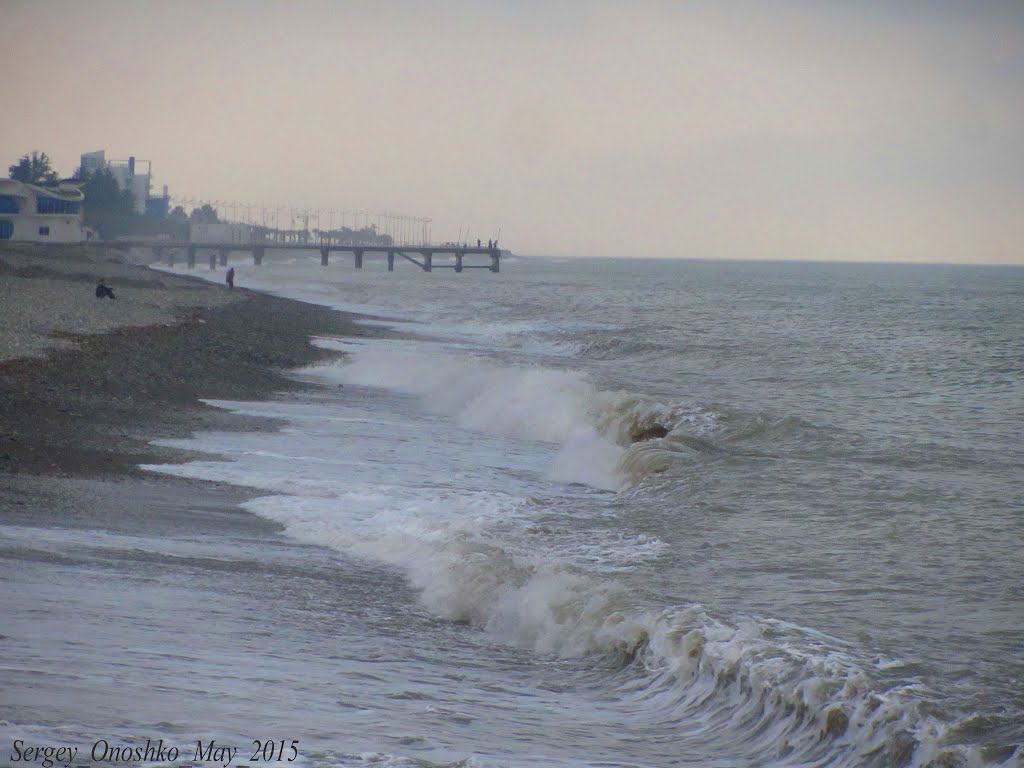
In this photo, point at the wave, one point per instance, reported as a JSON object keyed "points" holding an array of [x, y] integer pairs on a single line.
{"points": [[607, 439], [616, 346], [738, 426], [766, 692], [761, 691], [774, 691], [594, 428]]}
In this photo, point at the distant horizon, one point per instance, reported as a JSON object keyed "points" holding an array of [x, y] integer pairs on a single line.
{"points": [[808, 131], [755, 260]]}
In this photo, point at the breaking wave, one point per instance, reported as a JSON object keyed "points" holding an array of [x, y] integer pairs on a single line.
{"points": [[607, 439], [772, 691], [768, 691], [603, 436], [758, 690]]}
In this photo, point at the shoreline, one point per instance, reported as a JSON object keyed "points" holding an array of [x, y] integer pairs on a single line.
{"points": [[75, 424], [77, 418], [129, 590], [91, 405]]}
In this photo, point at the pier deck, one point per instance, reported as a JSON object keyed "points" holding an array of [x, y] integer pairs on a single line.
{"points": [[218, 252]]}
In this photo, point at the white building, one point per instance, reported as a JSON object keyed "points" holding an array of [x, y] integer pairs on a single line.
{"points": [[220, 232], [125, 173], [41, 214], [94, 161]]}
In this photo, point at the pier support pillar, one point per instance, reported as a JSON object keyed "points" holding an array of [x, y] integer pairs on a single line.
{"points": [[495, 261], [428, 261], [359, 258], [257, 254], [324, 255], [192, 257], [458, 261], [213, 261], [223, 257], [391, 261]]}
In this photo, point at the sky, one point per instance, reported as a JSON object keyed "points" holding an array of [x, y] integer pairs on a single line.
{"points": [[820, 130]]}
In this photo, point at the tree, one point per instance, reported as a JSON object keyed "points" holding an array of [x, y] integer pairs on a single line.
{"points": [[108, 209], [205, 215], [34, 169]]}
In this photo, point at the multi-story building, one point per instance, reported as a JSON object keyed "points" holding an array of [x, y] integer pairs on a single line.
{"points": [[41, 214], [125, 172], [93, 161]]}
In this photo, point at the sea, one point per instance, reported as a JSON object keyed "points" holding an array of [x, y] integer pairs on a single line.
{"points": [[599, 512]]}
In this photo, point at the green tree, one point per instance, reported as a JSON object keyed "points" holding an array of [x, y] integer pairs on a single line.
{"points": [[34, 169], [205, 215], [108, 209]]}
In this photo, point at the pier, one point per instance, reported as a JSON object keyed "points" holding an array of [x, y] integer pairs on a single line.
{"points": [[420, 255]]}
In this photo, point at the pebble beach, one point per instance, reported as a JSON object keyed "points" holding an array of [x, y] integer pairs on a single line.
{"points": [[86, 383]]}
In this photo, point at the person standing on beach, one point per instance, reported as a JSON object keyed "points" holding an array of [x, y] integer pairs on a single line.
{"points": [[229, 278]]}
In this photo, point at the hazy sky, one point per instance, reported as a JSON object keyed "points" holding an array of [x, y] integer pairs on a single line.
{"points": [[812, 130]]}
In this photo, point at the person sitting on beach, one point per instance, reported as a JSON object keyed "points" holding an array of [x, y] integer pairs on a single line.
{"points": [[102, 291]]}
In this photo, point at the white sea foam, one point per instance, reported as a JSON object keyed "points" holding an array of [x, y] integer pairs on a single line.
{"points": [[83, 541], [473, 557], [480, 557], [471, 562], [526, 403], [592, 428]]}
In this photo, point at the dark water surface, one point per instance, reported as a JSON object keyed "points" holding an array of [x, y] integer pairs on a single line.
{"points": [[473, 559]]}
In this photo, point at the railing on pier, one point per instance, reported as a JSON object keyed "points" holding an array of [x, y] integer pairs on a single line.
{"points": [[218, 252]]}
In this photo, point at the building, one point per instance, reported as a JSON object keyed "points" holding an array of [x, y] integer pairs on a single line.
{"points": [[93, 161], [159, 206], [220, 232], [126, 173], [41, 214]]}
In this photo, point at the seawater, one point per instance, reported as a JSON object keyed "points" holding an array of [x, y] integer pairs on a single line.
{"points": [[606, 512]]}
